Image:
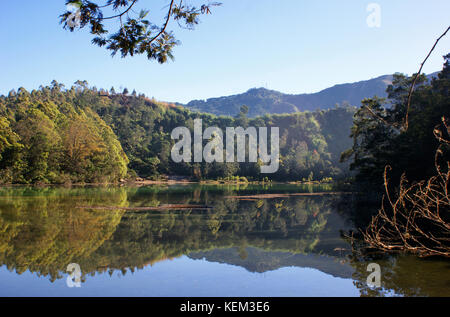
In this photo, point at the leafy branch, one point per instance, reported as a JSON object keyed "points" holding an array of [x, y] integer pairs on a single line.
{"points": [[136, 35]]}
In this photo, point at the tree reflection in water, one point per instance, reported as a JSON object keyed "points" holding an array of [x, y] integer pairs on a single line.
{"points": [[43, 230]]}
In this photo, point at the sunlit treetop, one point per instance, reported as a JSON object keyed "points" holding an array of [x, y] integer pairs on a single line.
{"points": [[131, 33]]}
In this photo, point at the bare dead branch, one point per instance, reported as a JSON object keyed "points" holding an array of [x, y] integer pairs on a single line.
{"points": [[418, 219], [411, 89]]}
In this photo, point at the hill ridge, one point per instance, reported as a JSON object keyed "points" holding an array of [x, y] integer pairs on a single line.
{"points": [[267, 101]]}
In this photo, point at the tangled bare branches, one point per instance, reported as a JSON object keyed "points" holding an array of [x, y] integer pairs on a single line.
{"points": [[417, 220]]}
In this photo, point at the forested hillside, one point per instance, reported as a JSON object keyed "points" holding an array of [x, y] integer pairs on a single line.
{"points": [[81, 134], [310, 142], [262, 101], [48, 136]]}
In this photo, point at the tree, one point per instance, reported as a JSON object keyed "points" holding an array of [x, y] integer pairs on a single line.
{"points": [[10, 150], [371, 141], [379, 136], [79, 143], [135, 34], [242, 117]]}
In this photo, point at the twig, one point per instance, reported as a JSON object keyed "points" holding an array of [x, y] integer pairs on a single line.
{"points": [[411, 89]]}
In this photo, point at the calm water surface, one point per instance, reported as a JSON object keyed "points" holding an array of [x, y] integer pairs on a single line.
{"points": [[127, 241]]}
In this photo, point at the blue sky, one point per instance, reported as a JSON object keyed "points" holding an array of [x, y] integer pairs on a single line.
{"points": [[293, 46]]}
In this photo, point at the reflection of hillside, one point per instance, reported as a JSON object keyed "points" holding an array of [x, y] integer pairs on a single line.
{"points": [[257, 260], [42, 231], [295, 225]]}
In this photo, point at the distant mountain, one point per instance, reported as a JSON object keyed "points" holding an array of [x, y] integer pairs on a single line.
{"points": [[261, 101]]}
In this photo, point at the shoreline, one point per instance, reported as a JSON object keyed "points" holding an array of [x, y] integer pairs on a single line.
{"points": [[166, 182]]}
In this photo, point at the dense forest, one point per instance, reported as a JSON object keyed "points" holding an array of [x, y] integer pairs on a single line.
{"points": [[45, 136], [81, 134]]}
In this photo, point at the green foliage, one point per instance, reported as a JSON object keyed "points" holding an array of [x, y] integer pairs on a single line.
{"points": [[46, 137], [135, 34], [82, 134], [311, 143]]}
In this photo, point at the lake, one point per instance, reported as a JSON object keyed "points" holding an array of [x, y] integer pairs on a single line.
{"points": [[195, 240]]}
